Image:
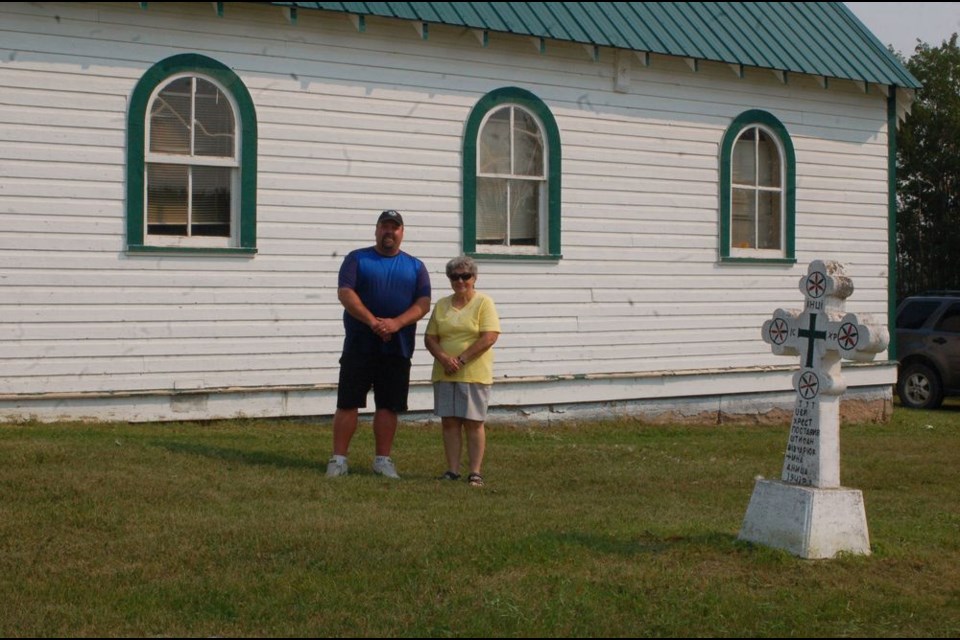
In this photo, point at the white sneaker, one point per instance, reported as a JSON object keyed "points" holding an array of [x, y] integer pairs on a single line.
{"points": [[335, 468], [385, 467]]}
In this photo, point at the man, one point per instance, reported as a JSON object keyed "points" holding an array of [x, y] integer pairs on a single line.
{"points": [[384, 291]]}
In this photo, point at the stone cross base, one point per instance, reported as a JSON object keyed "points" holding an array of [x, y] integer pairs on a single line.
{"points": [[806, 521]]}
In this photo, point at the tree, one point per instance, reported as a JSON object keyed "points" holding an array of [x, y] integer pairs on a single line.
{"points": [[928, 175]]}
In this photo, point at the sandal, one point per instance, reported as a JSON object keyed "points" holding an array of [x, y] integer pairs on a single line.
{"points": [[449, 475], [475, 480]]}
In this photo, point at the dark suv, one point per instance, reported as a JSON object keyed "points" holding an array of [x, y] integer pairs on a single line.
{"points": [[928, 348]]}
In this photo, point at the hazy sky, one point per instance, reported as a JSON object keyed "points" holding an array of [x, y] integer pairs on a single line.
{"points": [[900, 24]]}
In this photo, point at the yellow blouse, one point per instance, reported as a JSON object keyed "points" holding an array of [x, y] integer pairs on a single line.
{"points": [[457, 329]]}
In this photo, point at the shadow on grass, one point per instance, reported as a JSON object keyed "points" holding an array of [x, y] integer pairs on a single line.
{"points": [[646, 544], [951, 404], [244, 457]]}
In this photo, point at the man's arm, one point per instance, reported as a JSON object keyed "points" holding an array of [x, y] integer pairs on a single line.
{"points": [[355, 307]]}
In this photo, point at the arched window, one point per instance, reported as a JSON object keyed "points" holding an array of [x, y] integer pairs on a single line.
{"points": [[511, 177], [757, 190], [191, 166]]}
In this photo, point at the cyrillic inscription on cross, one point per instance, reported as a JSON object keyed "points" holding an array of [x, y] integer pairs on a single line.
{"points": [[822, 335]]}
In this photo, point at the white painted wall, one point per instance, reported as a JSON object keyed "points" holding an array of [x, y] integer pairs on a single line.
{"points": [[351, 123]]}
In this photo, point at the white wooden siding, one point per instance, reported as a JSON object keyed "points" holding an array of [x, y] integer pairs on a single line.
{"points": [[351, 123]]}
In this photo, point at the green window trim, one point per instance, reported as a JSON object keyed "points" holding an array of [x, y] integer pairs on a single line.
{"points": [[757, 117], [892, 222], [202, 251], [533, 104], [136, 146], [515, 256]]}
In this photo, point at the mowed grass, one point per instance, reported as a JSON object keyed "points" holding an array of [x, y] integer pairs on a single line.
{"points": [[602, 529]]}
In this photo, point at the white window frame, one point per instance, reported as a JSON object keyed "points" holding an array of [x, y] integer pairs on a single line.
{"points": [[193, 160], [774, 128], [755, 252], [542, 181]]}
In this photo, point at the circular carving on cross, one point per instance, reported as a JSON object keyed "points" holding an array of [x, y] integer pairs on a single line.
{"points": [[848, 337], [778, 331], [816, 284], [808, 386]]}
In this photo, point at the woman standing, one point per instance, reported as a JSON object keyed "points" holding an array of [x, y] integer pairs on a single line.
{"points": [[461, 331]]}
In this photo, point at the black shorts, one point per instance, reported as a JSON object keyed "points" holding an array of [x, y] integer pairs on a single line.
{"points": [[389, 376]]}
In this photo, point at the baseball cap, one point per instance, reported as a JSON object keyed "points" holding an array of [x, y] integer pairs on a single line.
{"points": [[392, 216]]}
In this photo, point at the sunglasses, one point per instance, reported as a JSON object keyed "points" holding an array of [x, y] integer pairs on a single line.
{"points": [[462, 277]]}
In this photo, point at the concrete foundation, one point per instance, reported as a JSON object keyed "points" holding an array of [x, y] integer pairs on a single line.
{"points": [[805, 521]]}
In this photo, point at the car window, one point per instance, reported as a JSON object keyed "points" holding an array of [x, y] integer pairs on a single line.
{"points": [[949, 322], [915, 313]]}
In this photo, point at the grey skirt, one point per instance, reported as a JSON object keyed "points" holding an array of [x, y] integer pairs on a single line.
{"points": [[466, 400]]}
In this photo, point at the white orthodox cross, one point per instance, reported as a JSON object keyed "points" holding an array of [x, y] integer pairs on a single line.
{"points": [[821, 334]]}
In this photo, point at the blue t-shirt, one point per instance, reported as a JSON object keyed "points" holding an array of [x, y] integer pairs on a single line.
{"points": [[387, 286]]}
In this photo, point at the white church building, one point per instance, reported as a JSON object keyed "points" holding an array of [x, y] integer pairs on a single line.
{"points": [[641, 184]]}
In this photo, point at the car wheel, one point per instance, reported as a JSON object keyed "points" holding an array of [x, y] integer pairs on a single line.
{"points": [[919, 387]]}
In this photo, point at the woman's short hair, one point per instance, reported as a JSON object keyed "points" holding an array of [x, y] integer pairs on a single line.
{"points": [[461, 264]]}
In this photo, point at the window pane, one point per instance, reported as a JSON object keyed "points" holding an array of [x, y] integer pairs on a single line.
{"points": [[742, 230], [167, 199], [494, 152], [768, 220], [524, 210], [744, 166], [491, 211], [768, 158], [915, 314], [528, 145], [211, 201], [949, 322], [511, 145], [170, 118], [213, 128]]}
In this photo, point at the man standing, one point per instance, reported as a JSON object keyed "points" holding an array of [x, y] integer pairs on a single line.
{"points": [[384, 291]]}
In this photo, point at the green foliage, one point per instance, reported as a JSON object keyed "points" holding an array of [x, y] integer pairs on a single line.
{"points": [[928, 174], [607, 529]]}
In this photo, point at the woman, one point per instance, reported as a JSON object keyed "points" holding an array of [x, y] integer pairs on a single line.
{"points": [[461, 330]]}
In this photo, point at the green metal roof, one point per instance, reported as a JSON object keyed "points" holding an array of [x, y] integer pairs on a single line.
{"points": [[817, 38]]}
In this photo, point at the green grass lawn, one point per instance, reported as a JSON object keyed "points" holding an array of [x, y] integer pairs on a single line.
{"points": [[595, 529]]}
